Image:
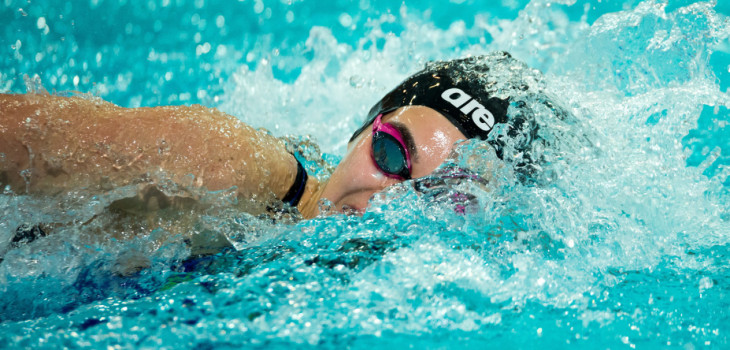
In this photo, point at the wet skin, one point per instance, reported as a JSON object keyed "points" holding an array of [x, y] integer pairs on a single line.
{"points": [[75, 143], [51, 145], [66, 144], [357, 178]]}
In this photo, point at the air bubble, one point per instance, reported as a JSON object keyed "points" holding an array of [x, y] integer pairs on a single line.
{"points": [[345, 20], [202, 49], [221, 50], [356, 81], [705, 284], [258, 7]]}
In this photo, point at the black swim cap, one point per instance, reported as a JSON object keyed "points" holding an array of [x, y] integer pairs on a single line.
{"points": [[454, 89], [492, 97]]}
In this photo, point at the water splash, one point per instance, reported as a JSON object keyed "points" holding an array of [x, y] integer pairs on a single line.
{"points": [[625, 244]]}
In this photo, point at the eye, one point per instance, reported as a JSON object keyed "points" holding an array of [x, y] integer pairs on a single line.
{"points": [[389, 155]]}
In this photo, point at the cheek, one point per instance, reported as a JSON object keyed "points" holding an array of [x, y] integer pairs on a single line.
{"points": [[357, 169], [347, 172], [349, 166]]}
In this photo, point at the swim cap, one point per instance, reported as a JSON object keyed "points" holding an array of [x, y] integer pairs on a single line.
{"points": [[492, 97], [454, 89]]}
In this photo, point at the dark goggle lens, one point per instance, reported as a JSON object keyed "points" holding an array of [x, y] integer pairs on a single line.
{"points": [[389, 155]]}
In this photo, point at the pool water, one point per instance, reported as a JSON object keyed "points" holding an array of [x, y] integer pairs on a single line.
{"points": [[627, 245]]}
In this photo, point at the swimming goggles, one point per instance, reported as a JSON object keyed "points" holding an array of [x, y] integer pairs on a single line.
{"points": [[389, 151]]}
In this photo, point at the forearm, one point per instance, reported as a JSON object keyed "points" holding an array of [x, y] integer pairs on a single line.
{"points": [[53, 144]]}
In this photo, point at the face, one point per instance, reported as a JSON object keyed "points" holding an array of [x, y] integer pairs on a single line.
{"points": [[429, 137]]}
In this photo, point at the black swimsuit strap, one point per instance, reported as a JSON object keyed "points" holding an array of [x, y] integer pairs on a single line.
{"points": [[297, 188]]}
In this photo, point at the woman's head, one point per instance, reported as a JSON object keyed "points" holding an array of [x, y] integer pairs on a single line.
{"points": [[429, 138], [413, 129]]}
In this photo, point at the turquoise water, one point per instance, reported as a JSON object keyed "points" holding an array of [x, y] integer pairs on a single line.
{"points": [[626, 246]]}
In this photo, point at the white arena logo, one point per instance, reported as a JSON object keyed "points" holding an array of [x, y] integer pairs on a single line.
{"points": [[482, 117]]}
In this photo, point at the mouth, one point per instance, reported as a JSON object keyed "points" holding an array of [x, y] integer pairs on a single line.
{"points": [[351, 202], [352, 210]]}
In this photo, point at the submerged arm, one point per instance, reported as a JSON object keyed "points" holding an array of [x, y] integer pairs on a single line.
{"points": [[52, 144]]}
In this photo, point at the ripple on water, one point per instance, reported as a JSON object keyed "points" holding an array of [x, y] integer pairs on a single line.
{"points": [[622, 240]]}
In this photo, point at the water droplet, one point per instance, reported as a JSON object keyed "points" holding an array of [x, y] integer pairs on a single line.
{"points": [[706, 283], [258, 7], [345, 20], [356, 81]]}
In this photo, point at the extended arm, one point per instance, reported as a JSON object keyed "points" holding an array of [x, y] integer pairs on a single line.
{"points": [[52, 144]]}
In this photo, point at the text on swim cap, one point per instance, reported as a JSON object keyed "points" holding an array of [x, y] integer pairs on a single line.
{"points": [[481, 116]]}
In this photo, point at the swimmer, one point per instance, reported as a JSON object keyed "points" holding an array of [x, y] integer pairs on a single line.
{"points": [[51, 145]]}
